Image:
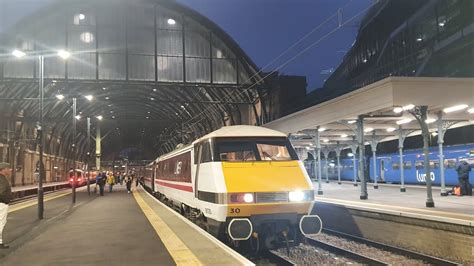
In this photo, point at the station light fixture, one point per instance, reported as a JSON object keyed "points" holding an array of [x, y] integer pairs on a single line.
{"points": [[368, 129], [89, 97], [390, 129], [434, 134], [400, 109], [100, 117], [351, 121], [107, 98], [171, 21], [152, 99], [471, 111], [60, 97], [64, 54], [344, 136], [18, 53], [325, 140], [321, 129], [113, 117], [455, 108], [82, 16], [430, 120], [350, 154], [78, 117], [404, 121]]}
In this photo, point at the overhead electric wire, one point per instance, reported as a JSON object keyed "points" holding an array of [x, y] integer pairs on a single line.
{"points": [[290, 60]]}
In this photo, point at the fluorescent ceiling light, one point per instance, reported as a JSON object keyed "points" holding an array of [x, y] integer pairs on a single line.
{"points": [[78, 117], [471, 111], [351, 121], [60, 96], [397, 110], [99, 117], [171, 21], [344, 136], [404, 121], [89, 97], [325, 140], [321, 129], [369, 129], [391, 129], [18, 53], [430, 120], [64, 54], [455, 108]]}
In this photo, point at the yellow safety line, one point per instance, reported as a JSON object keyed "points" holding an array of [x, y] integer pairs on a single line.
{"points": [[351, 203], [34, 201], [177, 249]]}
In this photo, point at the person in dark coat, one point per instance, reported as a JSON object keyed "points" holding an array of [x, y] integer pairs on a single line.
{"points": [[128, 182], [463, 169], [101, 183], [5, 198]]}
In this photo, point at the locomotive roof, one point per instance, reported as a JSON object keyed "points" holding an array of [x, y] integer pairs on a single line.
{"points": [[242, 131]]}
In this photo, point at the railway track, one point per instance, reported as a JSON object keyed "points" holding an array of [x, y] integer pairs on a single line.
{"points": [[392, 249]]}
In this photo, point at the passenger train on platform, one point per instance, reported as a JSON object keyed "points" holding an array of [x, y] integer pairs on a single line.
{"points": [[388, 166], [241, 182]]}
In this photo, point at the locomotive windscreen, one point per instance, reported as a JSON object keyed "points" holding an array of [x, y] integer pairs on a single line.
{"points": [[254, 149]]}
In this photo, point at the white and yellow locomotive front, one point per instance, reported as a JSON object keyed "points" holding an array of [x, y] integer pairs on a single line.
{"points": [[245, 180]]}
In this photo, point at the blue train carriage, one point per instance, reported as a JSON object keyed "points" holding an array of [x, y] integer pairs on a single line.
{"points": [[414, 168]]}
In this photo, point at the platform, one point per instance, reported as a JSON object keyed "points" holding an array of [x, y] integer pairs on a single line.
{"points": [[388, 199], [116, 229], [401, 218]]}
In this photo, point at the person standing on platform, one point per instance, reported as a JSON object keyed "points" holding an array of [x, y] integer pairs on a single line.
{"points": [[5, 197], [101, 183], [111, 182], [128, 182], [463, 169]]}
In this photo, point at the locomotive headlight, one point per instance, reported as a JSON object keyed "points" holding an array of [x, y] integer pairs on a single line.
{"points": [[248, 197], [296, 195]]}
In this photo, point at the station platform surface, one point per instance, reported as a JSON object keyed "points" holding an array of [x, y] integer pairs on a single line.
{"points": [[33, 186], [388, 199], [115, 229]]}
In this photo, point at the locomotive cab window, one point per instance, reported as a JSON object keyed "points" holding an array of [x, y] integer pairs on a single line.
{"points": [[253, 149]]}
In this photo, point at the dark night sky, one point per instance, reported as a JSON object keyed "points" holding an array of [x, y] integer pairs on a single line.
{"points": [[263, 29]]}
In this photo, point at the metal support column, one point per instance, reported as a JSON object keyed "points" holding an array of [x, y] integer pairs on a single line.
{"points": [[338, 155], [326, 157], [97, 147], [373, 145], [41, 139], [318, 154], [74, 178], [420, 113], [401, 139], [88, 154], [354, 155], [363, 180]]}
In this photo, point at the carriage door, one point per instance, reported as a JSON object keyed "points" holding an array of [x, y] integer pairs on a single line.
{"points": [[382, 170]]}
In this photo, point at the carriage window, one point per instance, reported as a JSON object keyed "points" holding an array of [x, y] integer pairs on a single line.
{"points": [[273, 152], [395, 166], [419, 164], [236, 151], [434, 164], [407, 165], [450, 163], [206, 152]]}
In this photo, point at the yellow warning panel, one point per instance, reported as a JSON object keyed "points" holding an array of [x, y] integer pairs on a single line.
{"points": [[177, 249]]}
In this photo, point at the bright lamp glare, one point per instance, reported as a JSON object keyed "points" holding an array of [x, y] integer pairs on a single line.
{"points": [[455, 108], [321, 129], [99, 117], [248, 197], [408, 107], [78, 117], [391, 129], [89, 97], [325, 140], [60, 97], [171, 21], [471, 111], [18, 53], [430, 120], [344, 136], [369, 129], [351, 121], [397, 110], [64, 54], [403, 121], [350, 154], [296, 195]]}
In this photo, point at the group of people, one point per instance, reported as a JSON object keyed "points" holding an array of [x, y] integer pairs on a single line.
{"points": [[110, 178]]}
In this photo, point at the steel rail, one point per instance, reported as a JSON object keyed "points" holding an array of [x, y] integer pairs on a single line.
{"points": [[398, 250]]}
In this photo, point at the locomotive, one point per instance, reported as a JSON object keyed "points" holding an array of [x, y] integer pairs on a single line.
{"points": [[241, 183]]}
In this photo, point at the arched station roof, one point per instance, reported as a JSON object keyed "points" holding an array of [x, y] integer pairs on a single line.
{"points": [[160, 73]]}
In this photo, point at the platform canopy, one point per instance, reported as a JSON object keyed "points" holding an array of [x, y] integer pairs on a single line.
{"points": [[159, 74], [385, 106]]}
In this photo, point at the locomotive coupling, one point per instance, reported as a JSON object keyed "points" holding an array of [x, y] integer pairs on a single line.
{"points": [[240, 229], [310, 225]]}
